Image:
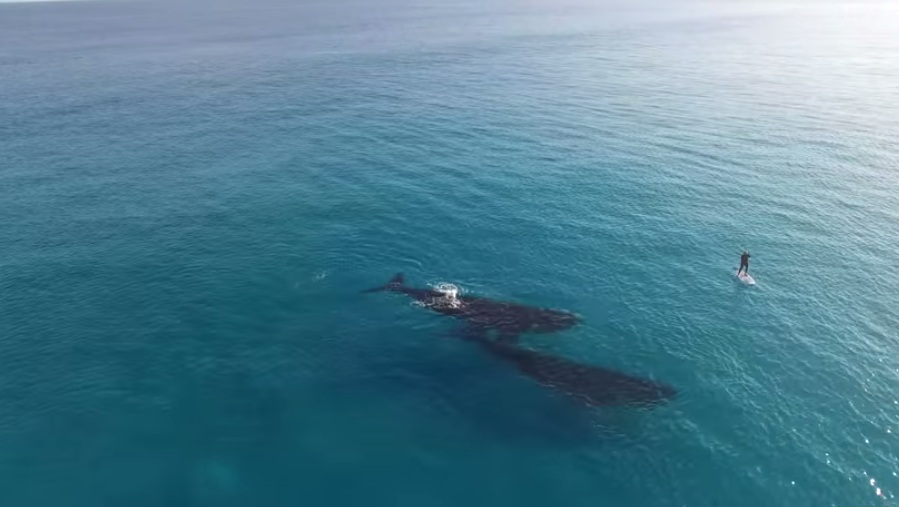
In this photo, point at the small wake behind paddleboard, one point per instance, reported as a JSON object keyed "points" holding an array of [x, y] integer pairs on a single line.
{"points": [[746, 278]]}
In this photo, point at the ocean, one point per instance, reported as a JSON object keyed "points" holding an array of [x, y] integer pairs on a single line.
{"points": [[194, 194]]}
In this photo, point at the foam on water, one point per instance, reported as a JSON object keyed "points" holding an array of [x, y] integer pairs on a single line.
{"points": [[450, 290]]}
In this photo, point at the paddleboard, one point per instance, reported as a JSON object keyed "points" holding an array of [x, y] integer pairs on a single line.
{"points": [[746, 278]]}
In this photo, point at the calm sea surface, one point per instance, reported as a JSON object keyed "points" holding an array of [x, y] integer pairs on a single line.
{"points": [[192, 195]]}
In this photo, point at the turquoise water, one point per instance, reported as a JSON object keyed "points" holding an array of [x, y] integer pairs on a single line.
{"points": [[192, 197]]}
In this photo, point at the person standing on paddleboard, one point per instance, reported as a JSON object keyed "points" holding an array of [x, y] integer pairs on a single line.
{"points": [[744, 263]]}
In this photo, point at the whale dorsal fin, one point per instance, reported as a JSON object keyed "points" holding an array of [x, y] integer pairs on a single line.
{"points": [[396, 283], [398, 280]]}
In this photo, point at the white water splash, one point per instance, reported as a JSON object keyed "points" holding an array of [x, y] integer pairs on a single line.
{"points": [[450, 294]]}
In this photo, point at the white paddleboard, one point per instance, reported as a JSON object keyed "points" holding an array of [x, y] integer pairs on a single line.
{"points": [[746, 278]]}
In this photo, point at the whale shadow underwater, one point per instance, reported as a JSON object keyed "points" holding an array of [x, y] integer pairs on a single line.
{"points": [[587, 384]]}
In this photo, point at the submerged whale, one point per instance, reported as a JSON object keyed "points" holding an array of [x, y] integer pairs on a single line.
{"points": [[482, 315], [587, 384]]}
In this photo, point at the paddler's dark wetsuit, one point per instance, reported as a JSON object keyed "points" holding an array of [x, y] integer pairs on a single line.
{"points": [[744, 263]]}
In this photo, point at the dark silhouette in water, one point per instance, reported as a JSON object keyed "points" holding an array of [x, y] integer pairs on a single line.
{"points": [[509, 320], [590, 385]]}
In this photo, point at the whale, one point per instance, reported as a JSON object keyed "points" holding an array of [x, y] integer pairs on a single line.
{"points": [[482, 315], [590, 385], [586, 384]]}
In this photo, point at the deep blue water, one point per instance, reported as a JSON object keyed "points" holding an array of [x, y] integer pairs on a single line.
{"points": [[193, 194]]}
